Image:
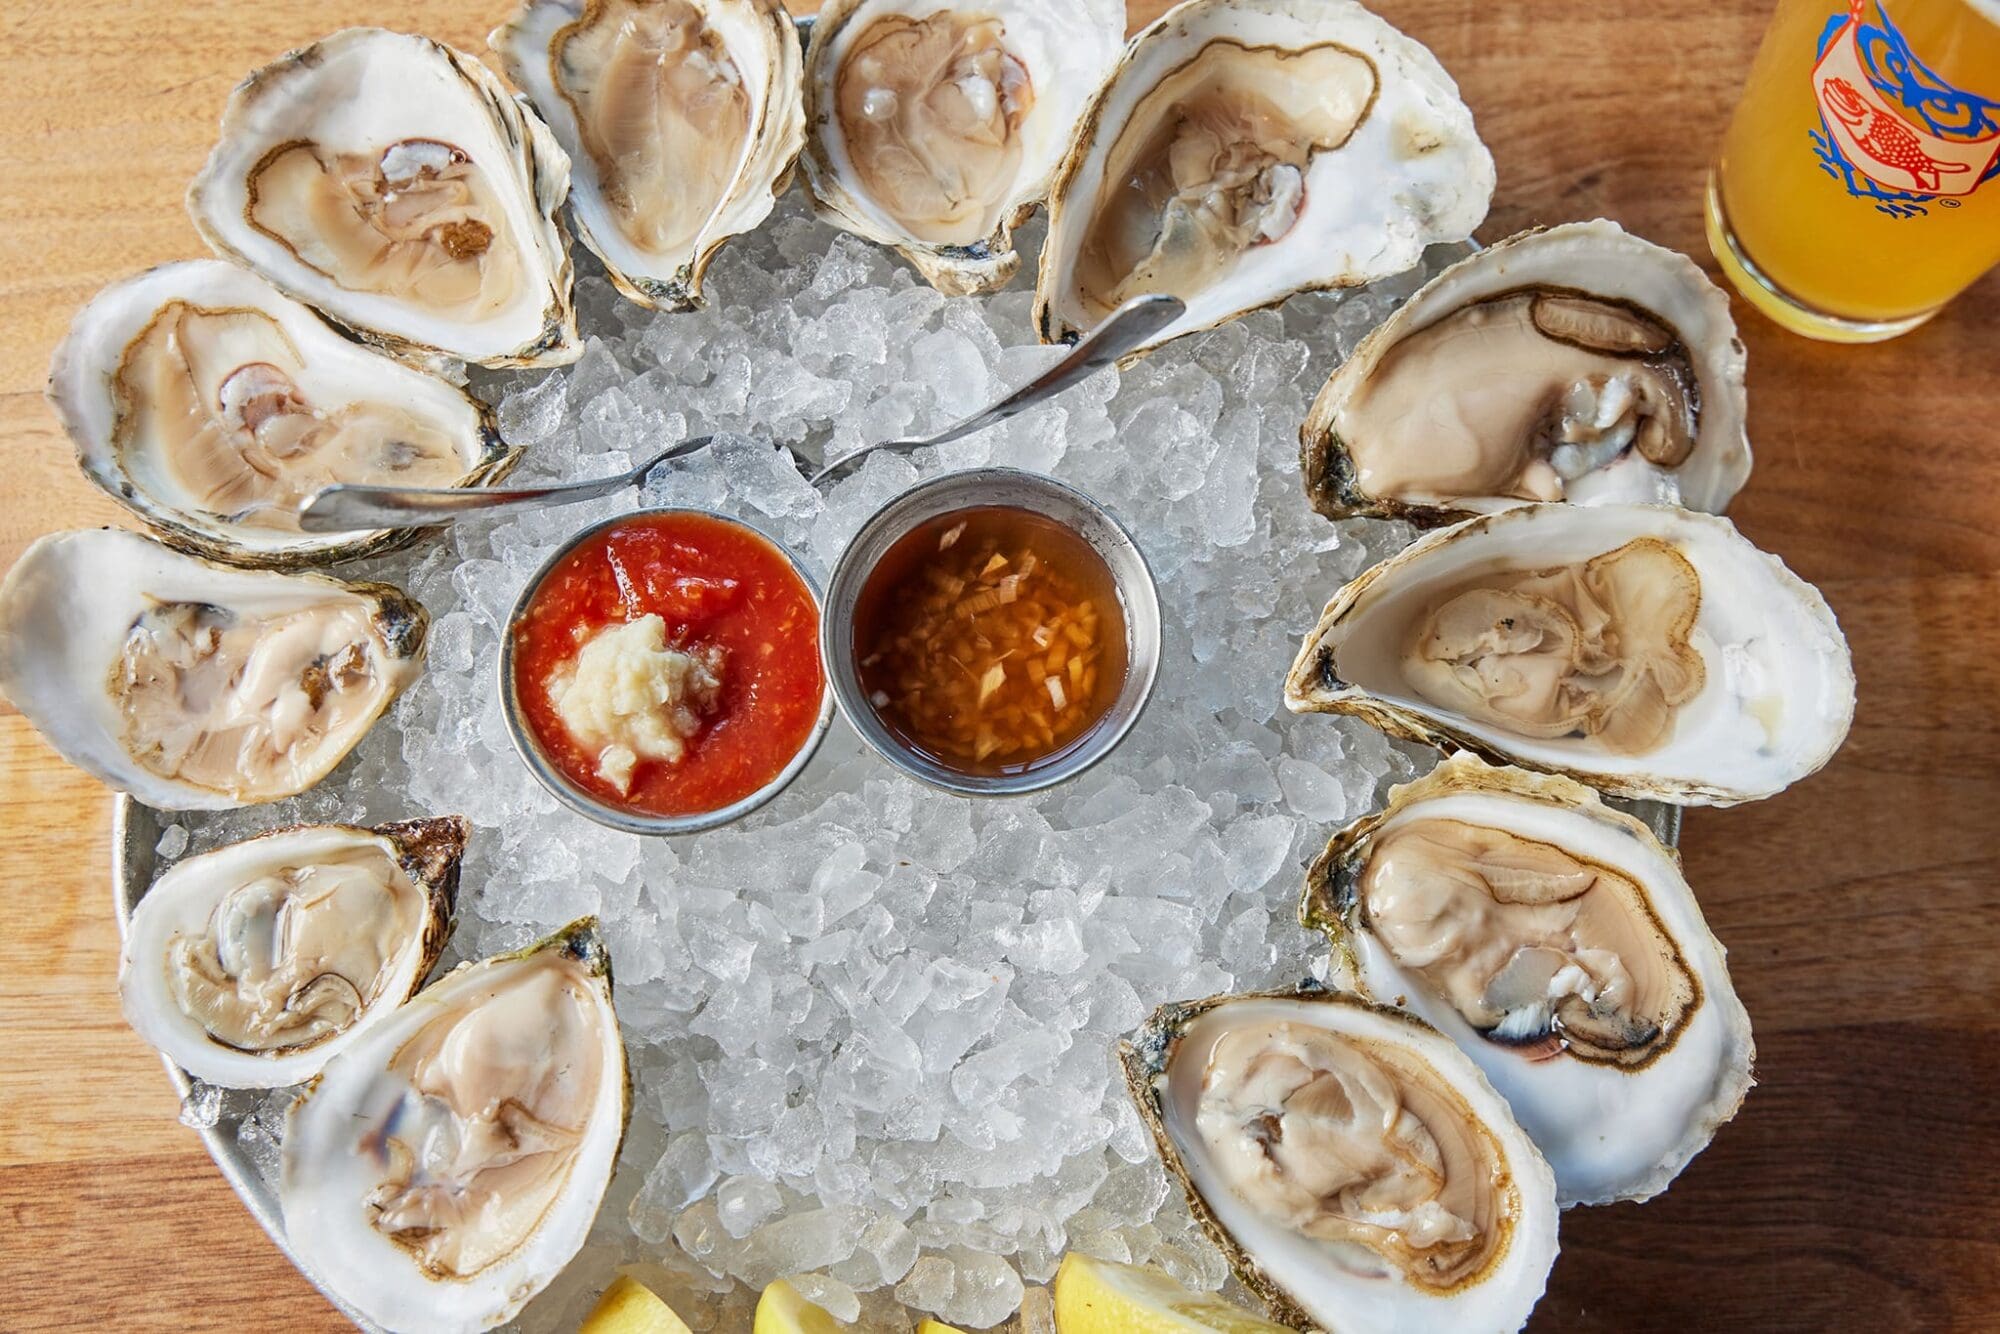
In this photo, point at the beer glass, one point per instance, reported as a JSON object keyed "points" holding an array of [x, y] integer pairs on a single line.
{"points": [[1858, 189]]}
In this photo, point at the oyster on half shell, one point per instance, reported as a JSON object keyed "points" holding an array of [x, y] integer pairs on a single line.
{"points": [[1648, 650], [447, 1165], [1248, 150], [196, 686], [1576, 363], [1555, 940], [682, 119], [210, 404], [934, 126], [391, 183], [1356, 1169], [253, 965]]}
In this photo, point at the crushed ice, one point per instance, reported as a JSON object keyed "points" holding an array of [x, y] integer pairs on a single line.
{"points": [[872, 1026]]}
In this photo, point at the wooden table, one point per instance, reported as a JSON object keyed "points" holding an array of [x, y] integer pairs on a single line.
{"points": [[1854, 1190]]}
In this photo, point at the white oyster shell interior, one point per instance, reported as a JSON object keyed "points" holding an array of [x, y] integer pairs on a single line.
{"points": [[196, 392], [1247, 150], [449, 1162], [253, 965], [392, 183], [681, 118], [194, 686], [1741, 682]]}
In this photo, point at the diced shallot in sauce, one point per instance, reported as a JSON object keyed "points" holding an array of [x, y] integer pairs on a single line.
{"points": [[990, 639]]}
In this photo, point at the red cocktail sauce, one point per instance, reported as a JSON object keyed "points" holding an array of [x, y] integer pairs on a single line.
{"points": [[712, 583]]}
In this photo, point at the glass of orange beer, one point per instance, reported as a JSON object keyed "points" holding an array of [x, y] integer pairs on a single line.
{"points": [[1859, 185]]}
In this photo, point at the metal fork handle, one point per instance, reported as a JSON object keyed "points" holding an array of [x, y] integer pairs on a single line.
{"points": [[1123, 331], [347, 507]]}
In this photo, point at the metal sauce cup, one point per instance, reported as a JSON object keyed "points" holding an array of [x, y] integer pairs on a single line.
{"points": [[587, 803], [1138, 598]]}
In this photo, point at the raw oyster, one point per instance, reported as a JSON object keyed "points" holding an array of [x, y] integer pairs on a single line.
{"points": [[934, 126], [196, 686], [682, 119], [1647, 650], [1578, 363], [1246, 150], [1355, 1167], [253, 965], [196, 392], [448, 1164], [1556, 942], [391, 183]]}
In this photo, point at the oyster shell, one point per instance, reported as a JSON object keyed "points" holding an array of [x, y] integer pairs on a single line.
{"points": [[1355, 1168], [1556, 942], [1647, 650], [391, 183], [682, 119], [448, 1164], [934, 126], [1575, 363], [209, 404], [1247, 150], [253, 965], [196, 686]]}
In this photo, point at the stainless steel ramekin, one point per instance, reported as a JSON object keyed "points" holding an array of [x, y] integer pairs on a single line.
{"points": [[584, 802], [1137, 596]]}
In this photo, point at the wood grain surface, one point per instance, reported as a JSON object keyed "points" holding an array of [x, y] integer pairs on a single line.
{"points": [[1855, 1189]]}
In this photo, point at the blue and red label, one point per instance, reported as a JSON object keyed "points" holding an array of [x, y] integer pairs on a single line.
{"points": [[1891, 130]]}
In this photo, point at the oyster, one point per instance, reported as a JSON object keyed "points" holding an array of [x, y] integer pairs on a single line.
{"points": [[196, 686], [1556, 942], [1578, 363], [448, 1163], [391, 183], [682, 119], [210, 404], [1355, 1167], [1647, 650], [1246, 150], [253, 965], [934, 126]]}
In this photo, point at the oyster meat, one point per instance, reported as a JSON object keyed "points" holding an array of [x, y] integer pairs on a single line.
{"points": [[1647, 650], [449, 1162], [210, 405], [934, 126], [391, 183], [682, 119], [253, 965], [192, 685], [1356, 1169], [1556, 942], [1247, 150], [1575, 363]]}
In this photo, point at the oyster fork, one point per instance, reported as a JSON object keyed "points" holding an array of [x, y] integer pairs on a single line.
{"points": [[354, 507]]}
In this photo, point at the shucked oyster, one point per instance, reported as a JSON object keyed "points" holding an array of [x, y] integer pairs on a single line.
{"points": [[934, 125], [448, 1164], [196, 392], [192, 685], [1578, 363], [391, 182], [1355, 1168], [253, 965], [1648, 650], [682, 119], [1555, 941], [1246, 150]]}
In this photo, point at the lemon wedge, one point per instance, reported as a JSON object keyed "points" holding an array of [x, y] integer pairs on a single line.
{"points": [[630, 1307], [938, 1327], [782, 1310], [1102, 1297]]}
